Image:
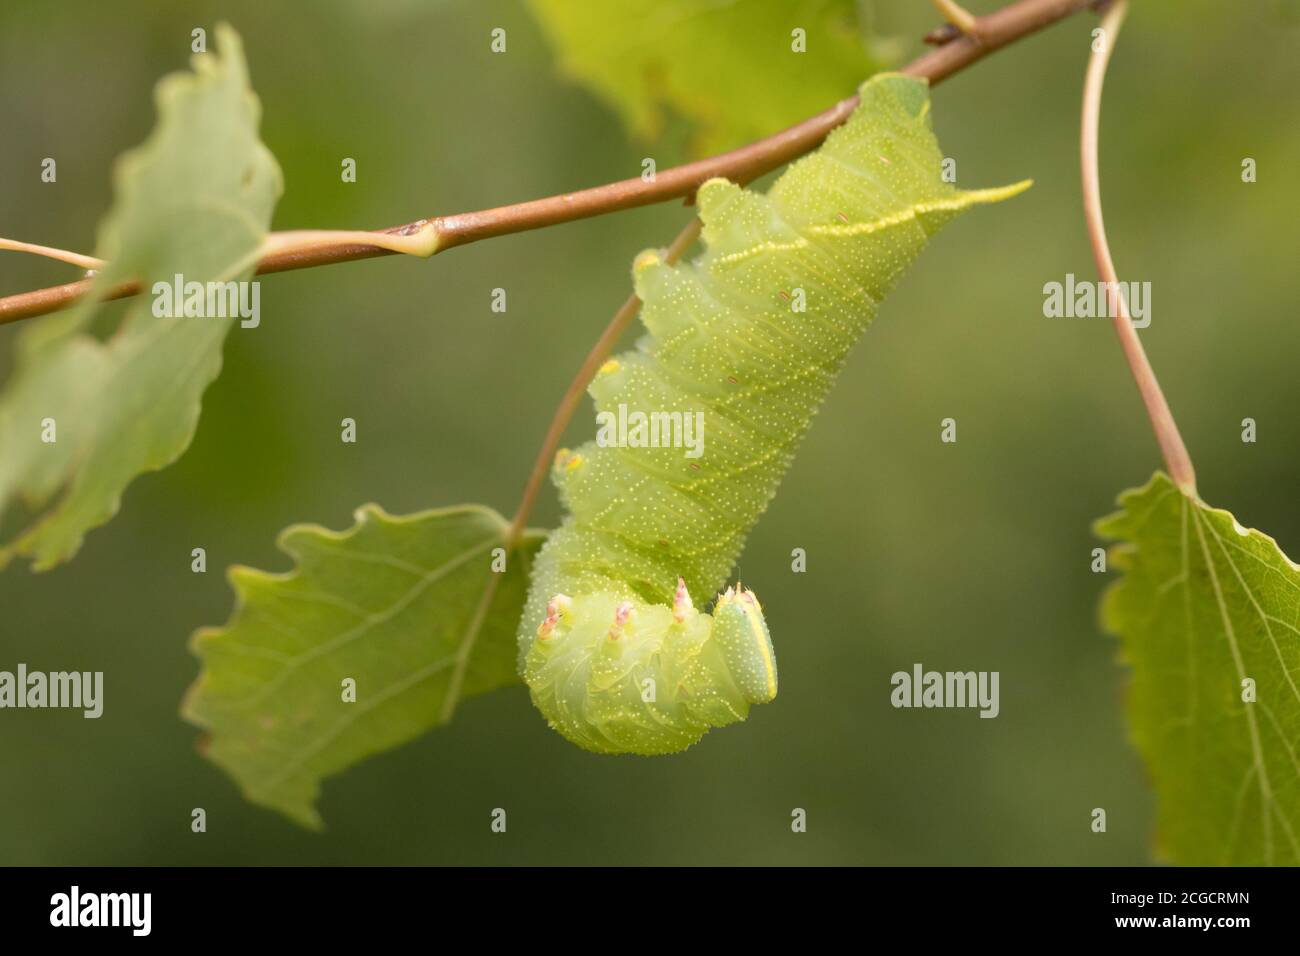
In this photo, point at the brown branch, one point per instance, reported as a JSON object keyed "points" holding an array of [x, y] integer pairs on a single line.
{"points": [[994, 31], [745, 164]]}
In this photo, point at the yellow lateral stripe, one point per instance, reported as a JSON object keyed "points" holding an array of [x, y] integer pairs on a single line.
{"points": [[960, 201]]}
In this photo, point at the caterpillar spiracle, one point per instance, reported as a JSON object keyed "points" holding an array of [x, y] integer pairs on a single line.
{"points": [[614, 652]]}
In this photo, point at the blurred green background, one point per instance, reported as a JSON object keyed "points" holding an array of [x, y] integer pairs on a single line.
{"points": [[973, 556]]}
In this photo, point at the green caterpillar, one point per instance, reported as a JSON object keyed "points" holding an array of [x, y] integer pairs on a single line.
{"points": [[613, 650]]}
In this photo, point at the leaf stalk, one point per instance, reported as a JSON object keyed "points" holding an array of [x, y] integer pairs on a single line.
{"points": [[1168, 437]]}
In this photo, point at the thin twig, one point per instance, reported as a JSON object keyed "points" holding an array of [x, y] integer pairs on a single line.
{"points": [[50, 252], [958, 16], [745, 164], [1172, 448]]}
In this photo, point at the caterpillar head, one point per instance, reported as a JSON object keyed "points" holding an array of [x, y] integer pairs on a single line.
{"points": [[616, 674]]}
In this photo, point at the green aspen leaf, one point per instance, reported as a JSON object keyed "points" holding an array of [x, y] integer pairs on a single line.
{"points": [[418, 612], [82, 417], [1208, 614], [729, 68]]}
